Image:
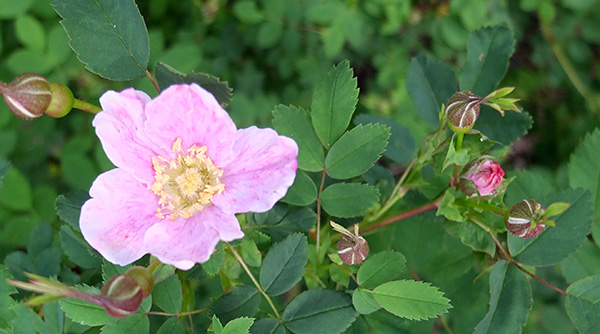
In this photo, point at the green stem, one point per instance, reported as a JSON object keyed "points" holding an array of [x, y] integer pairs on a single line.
{"points": [[81, 105], [318, 240], [459, 141], [260, 289], [492, 208]]}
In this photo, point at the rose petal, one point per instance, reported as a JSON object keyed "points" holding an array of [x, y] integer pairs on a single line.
{"points": [[184, 242], [260, 174], [192, 114], [120, 129], [115, 219]]}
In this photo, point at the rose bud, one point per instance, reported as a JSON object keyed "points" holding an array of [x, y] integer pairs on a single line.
{"points": [[121, 296], [462, 111], [28, 95], [352, 248], [62, 101], [483, 177], [525, 219]]}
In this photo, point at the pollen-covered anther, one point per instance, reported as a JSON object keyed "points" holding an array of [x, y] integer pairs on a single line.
{"points": [[186, 183]]}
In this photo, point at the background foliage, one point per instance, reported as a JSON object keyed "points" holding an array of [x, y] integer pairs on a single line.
{"points": [[274, 52]]}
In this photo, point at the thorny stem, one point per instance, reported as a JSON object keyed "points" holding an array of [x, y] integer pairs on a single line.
{"points": [[318, 241], [154, 83], [81, 105], [260, 289]]}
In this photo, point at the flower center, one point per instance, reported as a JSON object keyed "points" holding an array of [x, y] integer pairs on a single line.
{"points": [[186, 183]]}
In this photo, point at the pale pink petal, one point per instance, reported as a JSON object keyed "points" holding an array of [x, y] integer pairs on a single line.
{"points": [[260, 174], [115, 219], [120, 129], [192, 114], [184, 242]]}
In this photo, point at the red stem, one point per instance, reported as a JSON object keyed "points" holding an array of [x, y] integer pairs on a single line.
{"points": [[407, 214]]}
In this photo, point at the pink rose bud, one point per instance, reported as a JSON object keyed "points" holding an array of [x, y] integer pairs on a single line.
{"points": [[28, 95], [462, 111], [484, 176], [526, 219]]}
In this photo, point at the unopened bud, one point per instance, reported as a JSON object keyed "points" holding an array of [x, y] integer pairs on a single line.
{"points": [[62, 100], [28, 95], [352, 248], [483, 177], [143, 277], [462, 111], [526, 219], [122, 296]]}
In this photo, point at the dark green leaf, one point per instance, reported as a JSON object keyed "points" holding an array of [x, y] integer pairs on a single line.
{"points": [[68, 207], [278, 223], [582, 304], [283, 266], [530, 183], [432, 83], [364, 302], [109, 37], [250, 253], [380, 268], [471, 235], [348, 199], [167, 76], [268, 326], [401, 147], [167, 294], [135, 323], [302, 192], [18, 263], [413, 300], [504, 130], [40, 239], [488, 51], [242, 301], [15, 193], [333, 103], [319, 311], [6, 302], [4, 166], [583, 263], [356, 151], [213, 265], [556, 243], [171, 326], [383, 322], [584, 168], [78, 250], [295, 123], [510, 300]]}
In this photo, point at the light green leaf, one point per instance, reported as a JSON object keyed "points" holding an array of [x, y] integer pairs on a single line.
{"points": [[109, 37], [135, 323], [243, 300], [510, 301], [84, 312], [356, 151], [584, 168], [217, 327], [302, 192], [333, 103], [432, 83], [319, 311], [413, 300], [238, 326], [364, 302], [380, 268], [348, 199], [582, 304], [30, 33], [168, 295], [488, 51], [449, 209], [283, 266], [295, 123], [401, 147], [15, 193], [12, 9], [250, 252], [585, 262]]}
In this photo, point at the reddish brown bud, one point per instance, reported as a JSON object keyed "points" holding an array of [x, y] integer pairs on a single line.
{"points": [[28, 95], [462, 111], [526, 219], [122, 296]]}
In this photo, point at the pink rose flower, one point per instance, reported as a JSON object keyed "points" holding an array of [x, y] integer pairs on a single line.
{"points": [[183, 171], [486, 176]]}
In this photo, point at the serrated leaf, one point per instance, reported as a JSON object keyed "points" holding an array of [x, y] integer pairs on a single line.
{"points": [[364, 302], [84, 312], [268, 326], [471, 235], [302, 192], [135, 323], [583, 263], [168, 295], [167, 76], [348, 199], [214, 263], [283, 266], [356, 151], [171, 326], [278, 222], [238, 326], [380, 268], [582, 304], [68, 207], [510, 300], [250, 252], [242, 301], [78, 250], [333, 103], [432, 83], [413, 300], [109, 37], [504, 130], [319, 311], [556, 243], [401, 144], [584, 168], [296, 124], [488, 51]]}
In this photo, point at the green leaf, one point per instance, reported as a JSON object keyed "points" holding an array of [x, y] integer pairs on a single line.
{"points": [[356, 151], [488, 51], [413, 300], [250, 252], [243, 300], [109, 37], [504, 130], [68, 207], [4, 166], [333, 103], [295, 123], [15, 193], [12, 9], [584, 168], [268, 326], [77, 249], [167, 76], [585, 262], [348, 199], [168, 295], [40, 239], [401, 147], [510, 300], [364, 302], [6, 302], [283, 266], [319, 311], [278, 222], [84, 312], [339, 275], [380, 268], [556, 243], [582, 304], [171, 326], [302, 192], [135, 323], [217, 327], [30, 33], [247, 12], [432, 83], [449, 209], [238, 326], [530, 183], [471, 235], [213, 265]]}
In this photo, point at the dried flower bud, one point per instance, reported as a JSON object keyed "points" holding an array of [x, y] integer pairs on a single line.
{"points": [[483, 177], [525, 219], [122, 296], [28, 95], [462, 111], [352, 248], [62, 101]]}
